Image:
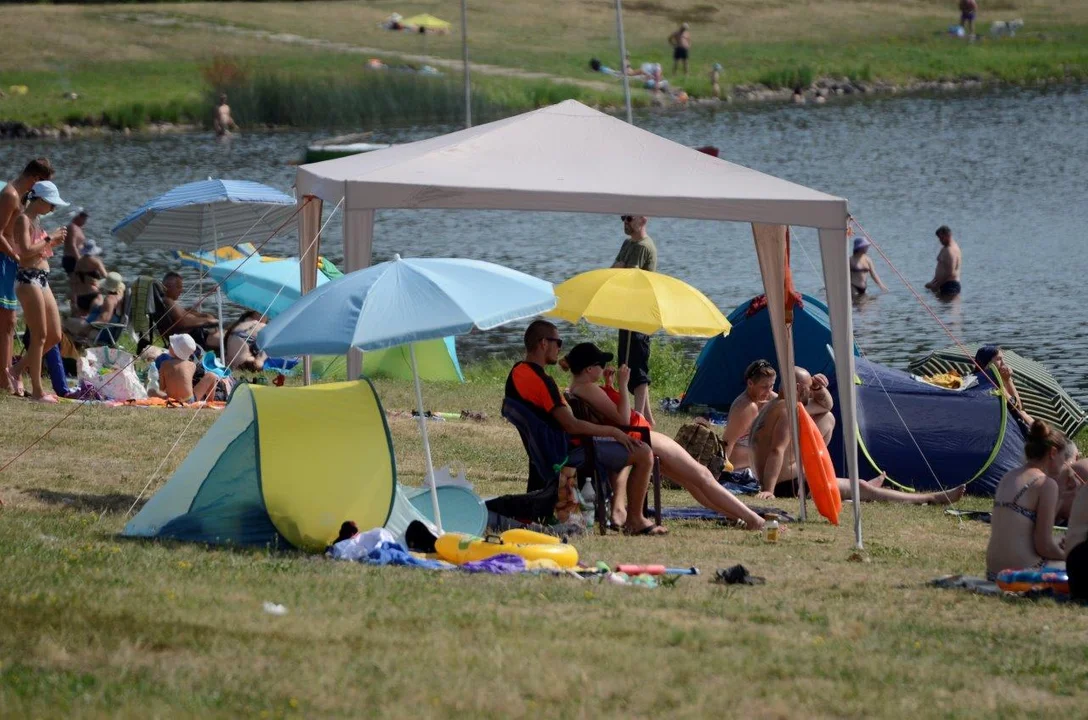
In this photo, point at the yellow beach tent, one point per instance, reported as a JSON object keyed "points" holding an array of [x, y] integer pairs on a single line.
{"points": [[282, 467], [429, 22]]}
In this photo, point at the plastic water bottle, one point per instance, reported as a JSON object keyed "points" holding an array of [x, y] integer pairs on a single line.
{"points": [[152, 379], [770, 529]]}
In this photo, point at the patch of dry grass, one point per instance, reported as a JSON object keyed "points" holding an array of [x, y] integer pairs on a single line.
{"points": [[93, 624]]}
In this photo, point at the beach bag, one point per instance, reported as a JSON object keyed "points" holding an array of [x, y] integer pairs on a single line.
{"points": [[111, 373], [703, 444]]}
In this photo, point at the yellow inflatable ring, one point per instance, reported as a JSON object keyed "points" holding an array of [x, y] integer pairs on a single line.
{"points": [[459, 549]]}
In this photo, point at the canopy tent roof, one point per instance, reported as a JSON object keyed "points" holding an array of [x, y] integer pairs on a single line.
{"points": [[570, 158]]}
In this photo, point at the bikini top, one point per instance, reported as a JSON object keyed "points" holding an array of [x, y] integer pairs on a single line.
{"points": [[1015, 505]]}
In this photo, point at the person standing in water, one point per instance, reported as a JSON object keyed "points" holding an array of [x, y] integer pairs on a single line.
{"points": [[861, 268], [946, 278], [223, 122]]}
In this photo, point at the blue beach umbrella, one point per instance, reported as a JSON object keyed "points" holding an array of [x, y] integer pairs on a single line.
{"points": [[207, 214], [268, 285], [405, 301]]}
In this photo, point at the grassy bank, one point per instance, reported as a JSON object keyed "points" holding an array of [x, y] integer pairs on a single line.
{"points": [[119, 57], [96, 625]]}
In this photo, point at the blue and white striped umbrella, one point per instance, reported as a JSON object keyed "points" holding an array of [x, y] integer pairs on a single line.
{"points": [[207, 214]]}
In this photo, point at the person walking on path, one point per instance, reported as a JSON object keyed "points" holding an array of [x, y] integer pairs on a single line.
{"points": [[11, 207], [637, 251], [968, 9], [946, 278], [681, 47]]}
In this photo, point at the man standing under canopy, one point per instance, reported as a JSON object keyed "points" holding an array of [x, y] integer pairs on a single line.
{"points": [[637, 251]]}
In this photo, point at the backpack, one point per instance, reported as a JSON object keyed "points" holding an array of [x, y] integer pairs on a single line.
{"points": [[703, 444]]}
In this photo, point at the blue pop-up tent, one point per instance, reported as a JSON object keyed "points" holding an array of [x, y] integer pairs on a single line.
{"points": [[927, 437], [719, 374]]}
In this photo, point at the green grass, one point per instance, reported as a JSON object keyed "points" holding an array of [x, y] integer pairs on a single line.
{"points": [[127, 72], [96, 625]]}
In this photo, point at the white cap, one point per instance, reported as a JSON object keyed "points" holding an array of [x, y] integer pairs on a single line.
{"points": [[45, 190], [182, 346]]}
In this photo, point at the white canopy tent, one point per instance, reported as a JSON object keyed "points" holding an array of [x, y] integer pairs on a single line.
{"points": [[571, 158]]}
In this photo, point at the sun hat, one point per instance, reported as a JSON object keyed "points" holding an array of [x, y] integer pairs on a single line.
{"points": [[45, 190], [861, 243], [182, 346], [90, 247], [584, 355], [114, 283]]}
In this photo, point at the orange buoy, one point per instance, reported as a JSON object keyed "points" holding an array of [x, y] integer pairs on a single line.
{"points": [[819, 472]]}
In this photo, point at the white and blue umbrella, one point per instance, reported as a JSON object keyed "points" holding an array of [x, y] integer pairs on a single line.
{"points": [[207, 214], [405, 301]]}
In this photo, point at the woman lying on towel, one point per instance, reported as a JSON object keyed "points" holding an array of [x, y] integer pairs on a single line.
{"points": [[1026, 501], [604, 405]]}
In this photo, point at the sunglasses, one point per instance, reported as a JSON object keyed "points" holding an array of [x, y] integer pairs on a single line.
{"points": [[759, 367], [558, 341]]}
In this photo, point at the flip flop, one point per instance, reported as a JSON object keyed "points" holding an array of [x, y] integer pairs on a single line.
{"points": [[736, 575], [648, 531]]}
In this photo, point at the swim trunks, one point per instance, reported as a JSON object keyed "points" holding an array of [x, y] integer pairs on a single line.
{"points": [[787, 489], [638, 359], [967, 17], [68, 262], [952, 287], [679, 53], [32, 276], [8, 270]]}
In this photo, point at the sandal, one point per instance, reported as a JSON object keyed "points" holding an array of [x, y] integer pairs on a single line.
{"points": [[736, 575]]}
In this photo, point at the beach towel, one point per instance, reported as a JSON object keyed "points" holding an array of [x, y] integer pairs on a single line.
{"points": [[702, 513]]}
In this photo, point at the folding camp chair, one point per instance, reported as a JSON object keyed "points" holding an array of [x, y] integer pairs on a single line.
{"points": [[548, 449]]}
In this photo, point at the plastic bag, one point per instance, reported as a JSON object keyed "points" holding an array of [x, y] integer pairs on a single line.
{"points": [[111, 372]]}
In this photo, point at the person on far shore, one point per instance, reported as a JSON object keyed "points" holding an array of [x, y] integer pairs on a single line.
{"points": [[946, 278], [681, 47], [968, 9], [861, 266], [223, 122], [637, 251], [73, 242], [715, 80], [11, 207], [1025, 504]]}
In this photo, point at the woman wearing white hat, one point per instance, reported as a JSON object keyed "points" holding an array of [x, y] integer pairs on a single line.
{"points": [[40, 313], [861, 266]]}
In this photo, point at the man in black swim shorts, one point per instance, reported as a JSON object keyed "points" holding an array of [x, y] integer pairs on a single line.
{"points": [[946, 278], [681, 47]]}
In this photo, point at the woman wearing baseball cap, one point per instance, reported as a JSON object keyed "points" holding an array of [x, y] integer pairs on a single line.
{"points": [[586, 363], [35, 247]]}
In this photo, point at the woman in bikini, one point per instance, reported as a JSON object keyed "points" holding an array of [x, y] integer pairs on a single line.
{"points": [[759, 381], [861, 266], [1022, 528], [40, 313], [586, 363]]}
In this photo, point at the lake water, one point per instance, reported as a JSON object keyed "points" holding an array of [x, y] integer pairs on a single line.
{"points": [[1006, 171]]}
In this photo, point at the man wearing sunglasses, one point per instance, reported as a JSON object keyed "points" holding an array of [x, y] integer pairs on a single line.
{"points": [[637, 251], [615, 450]]}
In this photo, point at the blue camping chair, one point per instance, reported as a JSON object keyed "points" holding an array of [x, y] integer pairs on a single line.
{"points": [[548, 449]]}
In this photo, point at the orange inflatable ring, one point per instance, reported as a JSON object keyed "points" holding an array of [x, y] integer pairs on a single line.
{"points": [[819, 472]]}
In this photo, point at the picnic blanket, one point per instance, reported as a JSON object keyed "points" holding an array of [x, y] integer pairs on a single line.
{"points": [[982, 586], [702, 513]]}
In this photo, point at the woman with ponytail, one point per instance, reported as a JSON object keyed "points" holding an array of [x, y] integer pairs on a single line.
{"points": [[1025, 504]]}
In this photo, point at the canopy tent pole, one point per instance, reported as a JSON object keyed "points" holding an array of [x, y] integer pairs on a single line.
{"points": [[834, 254], [464, 60], [623, 61], [770, 241], [309, 246], [426, 441], [359, 225], [218, 292]]}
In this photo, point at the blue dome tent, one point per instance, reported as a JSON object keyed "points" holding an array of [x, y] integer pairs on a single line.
{"points": [[955, 436]]}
